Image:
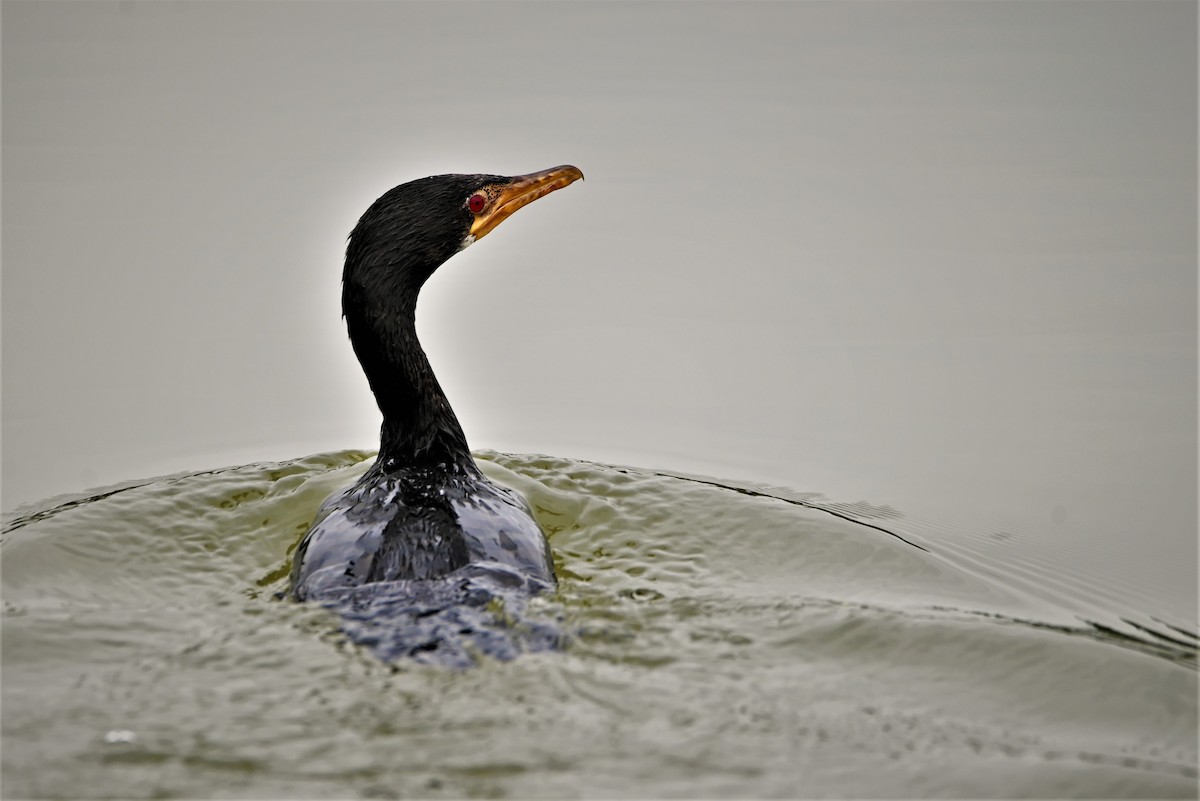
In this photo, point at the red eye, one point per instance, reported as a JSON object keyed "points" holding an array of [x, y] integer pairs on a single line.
{"points": [[476, 202]]}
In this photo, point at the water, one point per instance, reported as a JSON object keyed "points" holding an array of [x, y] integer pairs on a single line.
{"points": [[848, 281], [725, 639]]}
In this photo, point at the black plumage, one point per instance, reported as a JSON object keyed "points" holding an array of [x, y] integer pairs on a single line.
{"points": [[423, 520]]}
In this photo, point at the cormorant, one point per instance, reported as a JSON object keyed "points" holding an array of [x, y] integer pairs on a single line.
{"points": [[423, 521]]}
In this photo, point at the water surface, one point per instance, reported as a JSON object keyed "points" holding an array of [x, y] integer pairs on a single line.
{"points": [[723, 640]]}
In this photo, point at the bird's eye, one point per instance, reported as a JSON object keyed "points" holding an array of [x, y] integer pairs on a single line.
{"points": [[477, 202]]}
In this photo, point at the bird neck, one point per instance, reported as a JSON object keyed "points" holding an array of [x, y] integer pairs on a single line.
{"points": [[419, 428]]}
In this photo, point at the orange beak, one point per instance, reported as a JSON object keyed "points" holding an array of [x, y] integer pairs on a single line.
{"points": [[504, 199]]}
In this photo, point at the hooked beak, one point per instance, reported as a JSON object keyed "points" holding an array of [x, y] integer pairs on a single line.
{"points": [[521, 191]]}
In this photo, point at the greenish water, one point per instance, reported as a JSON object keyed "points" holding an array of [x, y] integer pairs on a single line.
{"points": [[726, 640]]}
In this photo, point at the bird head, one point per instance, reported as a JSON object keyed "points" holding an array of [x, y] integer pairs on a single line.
{"points": [[412, 229]]}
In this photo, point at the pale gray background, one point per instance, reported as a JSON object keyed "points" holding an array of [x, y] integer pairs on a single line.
{"points": [[937, 256]]}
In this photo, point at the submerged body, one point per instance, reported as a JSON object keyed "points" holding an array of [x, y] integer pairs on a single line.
{"points": [[419, 525], [423, 538], [429, 564]]}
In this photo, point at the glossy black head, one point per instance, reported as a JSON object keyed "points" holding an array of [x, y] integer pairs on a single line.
{"points": [[411, 230]]}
